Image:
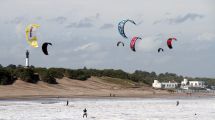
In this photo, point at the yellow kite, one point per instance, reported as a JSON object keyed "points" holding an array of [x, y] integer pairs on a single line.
{"points": [[30, 34]]}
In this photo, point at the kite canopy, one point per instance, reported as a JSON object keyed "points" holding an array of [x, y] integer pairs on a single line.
{"points": [[30, 33], [160, 49], [169, 42], [120, 42], [121, 26], [133, 42], [44, 47]]}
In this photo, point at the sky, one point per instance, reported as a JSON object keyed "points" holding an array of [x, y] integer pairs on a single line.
{"points": [[85, 33]]}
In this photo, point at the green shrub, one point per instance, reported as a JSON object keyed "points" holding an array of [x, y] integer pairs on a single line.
{"points": [[82, 77], [6, 77], [46, 77], [56, 72], [77, 74], [27, 75]]}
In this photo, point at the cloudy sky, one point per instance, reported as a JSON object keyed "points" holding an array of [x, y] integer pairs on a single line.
{"points": [[84, 33]]}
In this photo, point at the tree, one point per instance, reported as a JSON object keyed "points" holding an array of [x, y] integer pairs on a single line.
{"points": [[20, 66], [85, 68], [27, 75], [11, 66], [1, 66], [5, 77], [56, 72], [46, 77], [77, 74]]}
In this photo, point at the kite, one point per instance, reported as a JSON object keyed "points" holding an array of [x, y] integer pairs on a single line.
{"points": [[121, 26], [160, 49], [133, 42], [169, 42], [30, 33], [120, 42], [44, 47]]}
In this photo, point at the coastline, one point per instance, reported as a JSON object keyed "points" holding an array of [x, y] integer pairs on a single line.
{"points": [[92, 88], [158, 96]]}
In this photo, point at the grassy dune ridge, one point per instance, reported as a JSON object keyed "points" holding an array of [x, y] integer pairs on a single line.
{"points": [[94, 86], [9, 74]]}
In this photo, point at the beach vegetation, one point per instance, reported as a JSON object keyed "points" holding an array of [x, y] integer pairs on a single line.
{"points": [[49, 75]]}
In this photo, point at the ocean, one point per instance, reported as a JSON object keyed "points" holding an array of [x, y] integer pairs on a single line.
{"points": [[109, 109]]}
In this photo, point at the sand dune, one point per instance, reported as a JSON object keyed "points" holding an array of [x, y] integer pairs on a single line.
{"points": [[75, 88]]}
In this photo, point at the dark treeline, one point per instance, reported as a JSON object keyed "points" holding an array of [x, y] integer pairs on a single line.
{"points": [[10, 73]]}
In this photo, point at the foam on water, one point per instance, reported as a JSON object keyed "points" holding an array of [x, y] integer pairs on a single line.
{"points": [[109, 109]]}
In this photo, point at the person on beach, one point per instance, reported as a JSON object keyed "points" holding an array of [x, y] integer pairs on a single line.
{"points": [[67, 103], [177, 103], [85, 113]]}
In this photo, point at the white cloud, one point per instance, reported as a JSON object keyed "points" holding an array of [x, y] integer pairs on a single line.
{"points": [[89, 46], [162, 60], [63, 59], [87, 22], [107, 26], [206, 37], [19, 30], [59, 19], [148, 44], [181, 19], [16, 20]]}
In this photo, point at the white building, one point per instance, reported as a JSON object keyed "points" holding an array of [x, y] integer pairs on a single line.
{"points": [[185, 84], [200, 84], [165, 85], [156, 84], [170, 85]]}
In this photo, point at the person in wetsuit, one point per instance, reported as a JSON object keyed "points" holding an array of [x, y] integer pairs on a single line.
{"points": [[177, 103], [85, 113], [67, 103]]}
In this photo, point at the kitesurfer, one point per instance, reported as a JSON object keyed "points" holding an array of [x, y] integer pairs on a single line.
{"points": [[67, 103], [85, 113], [177, 103]]}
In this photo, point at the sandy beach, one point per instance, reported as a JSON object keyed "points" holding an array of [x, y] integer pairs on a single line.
{"points": [[91, 88]]}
